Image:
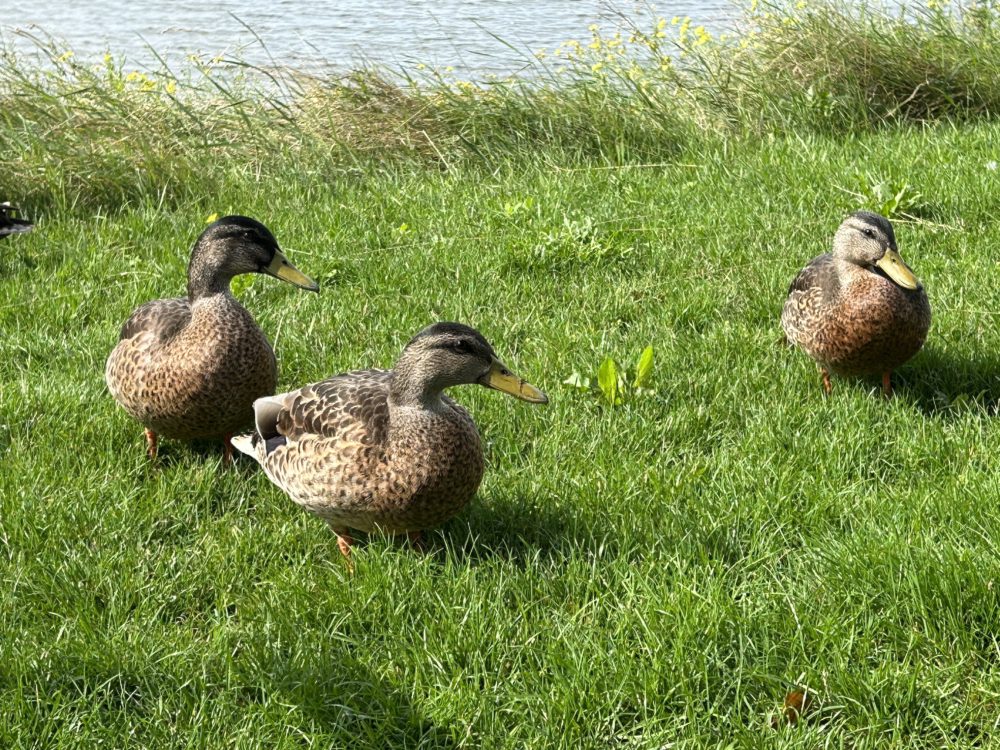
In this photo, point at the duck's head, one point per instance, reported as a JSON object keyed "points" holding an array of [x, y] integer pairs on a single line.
{"points": [[235, 245], [447, 354], [866, 239]]}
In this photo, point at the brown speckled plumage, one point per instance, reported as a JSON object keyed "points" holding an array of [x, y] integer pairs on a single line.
{"points": [[192, 367], [848, 314], [384, 449], [190, 371]]}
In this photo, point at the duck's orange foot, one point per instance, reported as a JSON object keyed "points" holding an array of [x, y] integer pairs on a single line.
{"points": [[827, 384], [344, 542], [227, 450], [151, 444]]}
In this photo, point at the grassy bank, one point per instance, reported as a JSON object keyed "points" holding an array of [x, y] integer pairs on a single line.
{"points": [[101, 135], [659, 573]]}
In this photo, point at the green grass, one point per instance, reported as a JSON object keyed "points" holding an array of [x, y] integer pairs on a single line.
{"points": [[657, 574]]}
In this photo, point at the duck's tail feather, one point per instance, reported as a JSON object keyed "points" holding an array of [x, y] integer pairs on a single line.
{"points": [[265, 412], [245, 444]]}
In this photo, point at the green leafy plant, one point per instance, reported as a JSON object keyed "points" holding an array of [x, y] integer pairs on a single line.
{"points": [[886, 196], [615, 384], [576, 242]]}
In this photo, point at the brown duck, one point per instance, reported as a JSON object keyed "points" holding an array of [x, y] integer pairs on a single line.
{"points": [[384, 449], [191, 367], [859, 310]]}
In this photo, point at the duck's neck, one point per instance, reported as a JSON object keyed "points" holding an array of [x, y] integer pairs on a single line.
{"points": [[206, 279], [845, 272], [409, 389]]}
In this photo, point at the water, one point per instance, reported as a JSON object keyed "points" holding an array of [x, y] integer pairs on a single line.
{"points": [[338, 34]]}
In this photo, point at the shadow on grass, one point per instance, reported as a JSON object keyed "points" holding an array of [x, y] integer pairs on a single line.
{"points": [[335, 697], [341, 698], [518, 530], [945, 385], [170, 452], [517, 534]]}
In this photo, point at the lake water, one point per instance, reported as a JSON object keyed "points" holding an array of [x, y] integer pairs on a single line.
{"points": [[323, 34]]}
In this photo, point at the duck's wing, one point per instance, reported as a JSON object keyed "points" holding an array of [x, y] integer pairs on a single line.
{"points": [[353, 408], [161, 317], [819, 274], [813, 288]]}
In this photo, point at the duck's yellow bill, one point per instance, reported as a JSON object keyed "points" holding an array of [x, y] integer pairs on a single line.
{"points": [[280, 268], [501, 379], [897, 270]]}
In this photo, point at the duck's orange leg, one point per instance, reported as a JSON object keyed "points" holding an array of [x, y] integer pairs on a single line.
{"points": [[151, 444], [227, 450], [827, 385], [887, 384], [344, 542]]}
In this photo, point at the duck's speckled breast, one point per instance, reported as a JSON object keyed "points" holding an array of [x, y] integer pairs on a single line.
{"points": [[202, 382], [427, 472], [873, 327]]}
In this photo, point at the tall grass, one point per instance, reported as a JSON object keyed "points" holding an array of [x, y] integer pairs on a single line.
{"points": [[102, 136], [846, 68]]}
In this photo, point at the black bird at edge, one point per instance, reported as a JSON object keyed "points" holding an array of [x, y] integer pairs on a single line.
{"points": [[11, 225]]}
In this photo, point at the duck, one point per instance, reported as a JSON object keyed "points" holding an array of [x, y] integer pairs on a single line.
{"points": [[384, 450], [11, 225], [190, 368], [858, 310]]}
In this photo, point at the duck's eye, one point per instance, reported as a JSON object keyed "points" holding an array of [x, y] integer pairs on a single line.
{"points": [[462, 347], [869, 233]]}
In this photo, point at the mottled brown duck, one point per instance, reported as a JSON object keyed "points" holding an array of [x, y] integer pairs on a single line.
{"points": [[191, 367], [384, 449], [858, 310], [10, 224]]}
